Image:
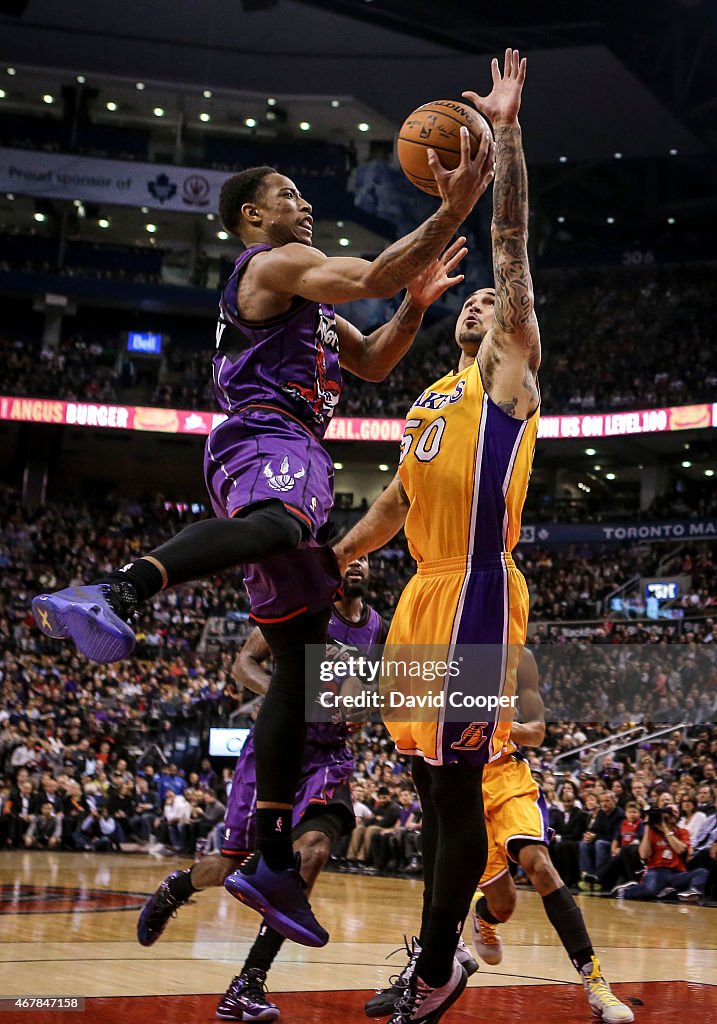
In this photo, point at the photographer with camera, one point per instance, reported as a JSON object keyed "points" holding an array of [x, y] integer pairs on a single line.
{"points": [[666, 847]]}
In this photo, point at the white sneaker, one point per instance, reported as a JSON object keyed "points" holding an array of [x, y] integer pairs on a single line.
{"points": [[486, 940], [603, 1003], [421, 1004], [620, 890], [466, 959], [689, 896]]}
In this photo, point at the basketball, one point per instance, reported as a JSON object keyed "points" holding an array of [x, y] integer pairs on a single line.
{"points": [[436, 126]]}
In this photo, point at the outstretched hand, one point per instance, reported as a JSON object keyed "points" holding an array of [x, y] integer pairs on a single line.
{"points": [[461, 188], [435, 279], [502, 104]]}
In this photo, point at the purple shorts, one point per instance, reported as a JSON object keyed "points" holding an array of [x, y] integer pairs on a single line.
{"points": [[260, 455], [323, 789]]}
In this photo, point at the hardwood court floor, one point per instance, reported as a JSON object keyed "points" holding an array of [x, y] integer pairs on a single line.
{"points": [[68, 921]]}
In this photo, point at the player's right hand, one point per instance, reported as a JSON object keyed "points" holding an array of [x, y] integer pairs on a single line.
{"points": [[461, 188]]}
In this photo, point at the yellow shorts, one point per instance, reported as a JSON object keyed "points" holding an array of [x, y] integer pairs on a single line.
{"points": [[515, 808], [446, 606]]}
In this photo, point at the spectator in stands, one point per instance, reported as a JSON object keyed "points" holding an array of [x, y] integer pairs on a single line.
{"points": [[569, 826], [384, 819], [692, 820], [597, 840], [625, 863], [665, 847], [45, 830], [172, 828], [705, 799], [98, 832]]}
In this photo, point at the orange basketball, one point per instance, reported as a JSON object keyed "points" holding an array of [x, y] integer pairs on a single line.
{"points": [[436, 126]]}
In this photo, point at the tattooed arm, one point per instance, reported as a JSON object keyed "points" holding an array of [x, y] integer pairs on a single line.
{"points": [[510, 354], [296, 269], [373, 356]]}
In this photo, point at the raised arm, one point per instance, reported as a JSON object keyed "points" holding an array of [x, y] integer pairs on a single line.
{"points": [[296, 269], [510, 355], [373, 356], [380, 524]]}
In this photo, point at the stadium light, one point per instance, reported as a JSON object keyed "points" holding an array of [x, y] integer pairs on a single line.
{"points": [[205, 117], [111, 105], [383, 467], [158, 112], [151, 228], [338, 465], [139, 86], [344, 242], [223, 235], [40, 217], [686, 464], [305, 125], [590, 451], [709, 472], [207, 94], [103, 222], [3, 94], [363, 126], [48, 98], [609, 476], [250, 122]]}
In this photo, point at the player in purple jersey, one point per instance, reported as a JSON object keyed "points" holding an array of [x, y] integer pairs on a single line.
{"points": [[277, 374], [322, 813]]}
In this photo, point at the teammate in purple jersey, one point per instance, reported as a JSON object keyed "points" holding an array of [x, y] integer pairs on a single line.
{"points": [[322, 813], [277, 374]]}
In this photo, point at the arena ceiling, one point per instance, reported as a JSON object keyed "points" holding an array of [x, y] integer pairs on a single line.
{"points": [[636, 78]]}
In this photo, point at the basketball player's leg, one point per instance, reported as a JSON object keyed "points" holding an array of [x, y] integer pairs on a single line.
{"points": [[455, 793], [95, 616], [569, 924], [252, 525]]}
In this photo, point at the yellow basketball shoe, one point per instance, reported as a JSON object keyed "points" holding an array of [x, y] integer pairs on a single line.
{"points": [[603, 1003], [486, 940]]}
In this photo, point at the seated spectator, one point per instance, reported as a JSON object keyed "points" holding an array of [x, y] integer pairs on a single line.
{"points": [[598, 839], [99, 832], [384, 819], [45, 830], [568, 827], [692, 820], [404, 843], [705, 799], [665, 847], [625, 864], [172, 828], [146, 809]]}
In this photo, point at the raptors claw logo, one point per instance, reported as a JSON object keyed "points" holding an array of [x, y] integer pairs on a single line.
{"points": [[283, 480]]}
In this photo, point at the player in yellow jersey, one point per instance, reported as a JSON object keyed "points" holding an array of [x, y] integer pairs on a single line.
{"points": [[517, 820], [465, 462]]}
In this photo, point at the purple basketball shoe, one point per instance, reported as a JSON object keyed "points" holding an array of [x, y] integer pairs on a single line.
{"points": [[157, 911], [280, 899], [245, 999], [89, 616]]}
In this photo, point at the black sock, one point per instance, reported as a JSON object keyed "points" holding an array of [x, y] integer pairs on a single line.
{"points": [[263, 953], [144, 578], [181, 886], [273, 837], [484, 913], [441, 938], [214, 545], [567, 920]]}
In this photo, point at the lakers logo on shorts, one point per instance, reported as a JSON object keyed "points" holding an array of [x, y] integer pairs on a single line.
{"points": [[473, 737]]}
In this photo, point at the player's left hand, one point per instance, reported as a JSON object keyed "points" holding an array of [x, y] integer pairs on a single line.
{"points": [[432, 282], [502, 104]]}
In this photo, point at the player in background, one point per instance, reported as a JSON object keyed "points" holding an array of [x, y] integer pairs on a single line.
{"points": [[323, 811], [517, 821], [277, 376], [465, 462]]}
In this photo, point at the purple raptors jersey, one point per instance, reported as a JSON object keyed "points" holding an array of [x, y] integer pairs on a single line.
{"points": [[290, 362], [369, 630]]}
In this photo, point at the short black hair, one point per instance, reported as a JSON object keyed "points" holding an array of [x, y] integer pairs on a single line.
{"points": [[245, 187]]}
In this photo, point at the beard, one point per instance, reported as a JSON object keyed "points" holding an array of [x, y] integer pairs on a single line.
{"points": [[471, 337], [354, 588]]}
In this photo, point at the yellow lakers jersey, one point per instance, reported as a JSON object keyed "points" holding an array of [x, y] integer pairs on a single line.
{"points": [[465, 466]]}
